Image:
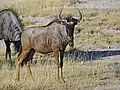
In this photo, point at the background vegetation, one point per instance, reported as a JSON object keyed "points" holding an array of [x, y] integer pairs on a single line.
{"points": [[88, 31], [96, 31]]}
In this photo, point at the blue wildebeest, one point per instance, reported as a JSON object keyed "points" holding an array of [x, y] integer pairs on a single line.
{"points": [[53, 37], [10, 30]]}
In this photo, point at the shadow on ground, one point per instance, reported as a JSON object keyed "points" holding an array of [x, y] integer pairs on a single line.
{"points": [[90, 55]]}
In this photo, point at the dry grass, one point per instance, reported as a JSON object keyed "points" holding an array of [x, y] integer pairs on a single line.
{"points": [[77, 76], [36, 7]]}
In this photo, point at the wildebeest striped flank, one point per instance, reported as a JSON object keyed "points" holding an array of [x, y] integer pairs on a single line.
{"points": [[10, 30]]}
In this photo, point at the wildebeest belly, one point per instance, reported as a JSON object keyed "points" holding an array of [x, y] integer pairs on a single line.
{"points": [[42, 49], [42, 44]]}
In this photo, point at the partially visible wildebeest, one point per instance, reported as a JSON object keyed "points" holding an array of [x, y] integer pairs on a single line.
{"points": [[53, 37], [10, 30]]}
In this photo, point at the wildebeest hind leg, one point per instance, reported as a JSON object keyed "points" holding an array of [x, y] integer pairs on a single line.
{"points": [[28, 58], [19, 61]]}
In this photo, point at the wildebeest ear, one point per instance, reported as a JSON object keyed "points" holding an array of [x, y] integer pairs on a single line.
{"points": [[77, 18]]}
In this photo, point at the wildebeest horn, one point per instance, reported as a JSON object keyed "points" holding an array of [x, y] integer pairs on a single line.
{"points": [[59, 16], [79, 14]]}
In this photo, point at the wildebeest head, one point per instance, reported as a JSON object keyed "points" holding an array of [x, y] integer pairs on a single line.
{"points": [[70, 22]]}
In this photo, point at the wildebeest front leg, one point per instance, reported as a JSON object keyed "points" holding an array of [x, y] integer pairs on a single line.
{"points": [[61, 63], [28, 58], [8, 52], [56, 55]]}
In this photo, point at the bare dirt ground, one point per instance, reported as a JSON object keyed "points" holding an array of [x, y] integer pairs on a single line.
{"points": [[100, 4], [4, 1]]}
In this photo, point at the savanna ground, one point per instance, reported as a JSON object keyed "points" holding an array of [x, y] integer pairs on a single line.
{"points": [[97, 40]]}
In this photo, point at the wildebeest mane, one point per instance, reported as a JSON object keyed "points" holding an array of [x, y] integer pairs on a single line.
{"points": [[53, 21], [15, 13]]}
